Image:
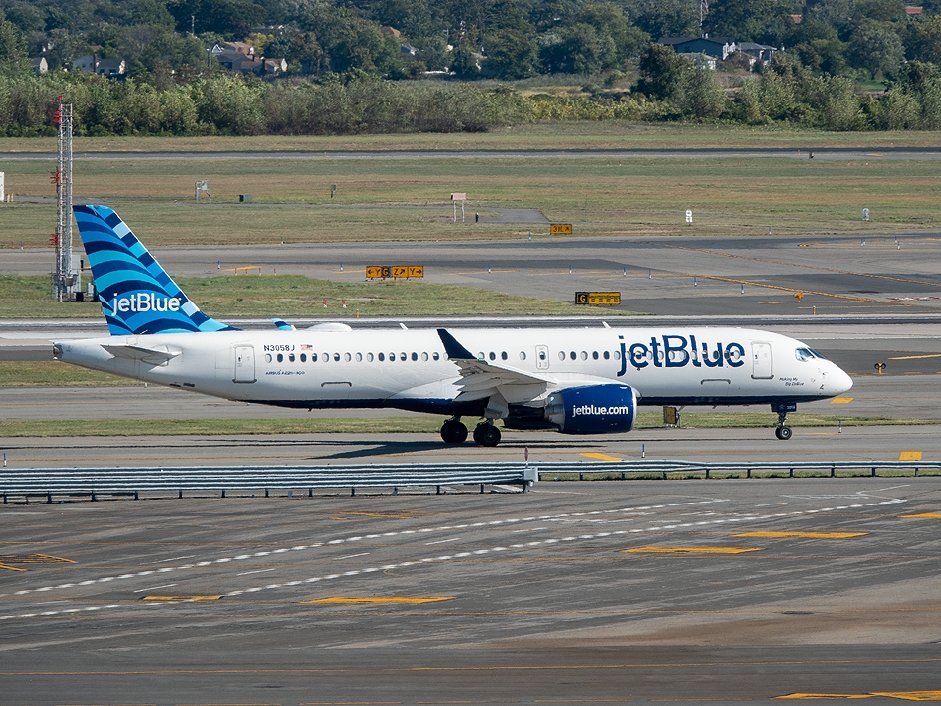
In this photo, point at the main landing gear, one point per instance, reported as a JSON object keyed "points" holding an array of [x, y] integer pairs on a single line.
{"points": [[783, 431], [486, 434], [454, 432]]}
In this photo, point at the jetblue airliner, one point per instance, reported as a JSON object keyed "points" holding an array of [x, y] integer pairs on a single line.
{"points": [[572, 380]]}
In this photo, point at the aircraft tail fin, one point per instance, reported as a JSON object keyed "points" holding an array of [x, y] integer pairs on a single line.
{"points": [[137, 295]]}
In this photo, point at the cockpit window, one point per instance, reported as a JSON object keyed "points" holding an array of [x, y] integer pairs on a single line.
{"points": [[804, 354]]}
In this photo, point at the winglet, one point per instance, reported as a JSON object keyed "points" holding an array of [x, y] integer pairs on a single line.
{"points": [[454, 349]]}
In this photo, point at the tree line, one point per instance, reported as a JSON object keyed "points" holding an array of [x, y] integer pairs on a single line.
{"points": [[669, 88], [503, 39]]}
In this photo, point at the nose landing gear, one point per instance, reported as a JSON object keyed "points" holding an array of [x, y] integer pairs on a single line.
{"points": [[783, 431]]}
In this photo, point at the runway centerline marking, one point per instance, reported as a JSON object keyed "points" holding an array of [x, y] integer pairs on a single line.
{"points": [[359, 538], [803, 535], [521, 546]]}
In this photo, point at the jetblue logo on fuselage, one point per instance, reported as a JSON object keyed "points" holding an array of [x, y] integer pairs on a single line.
{"points": [[677, 351], [144, 301]]}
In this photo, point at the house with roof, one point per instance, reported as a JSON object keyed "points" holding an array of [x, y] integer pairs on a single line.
{"points": [[91, 64], [757, 53], [39, 65], [718, 47]]}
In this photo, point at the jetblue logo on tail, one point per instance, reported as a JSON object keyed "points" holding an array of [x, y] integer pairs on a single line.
{"points": [[144, 301]]}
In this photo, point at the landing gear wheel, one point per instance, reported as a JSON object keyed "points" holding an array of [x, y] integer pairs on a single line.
{"points": [[783, 433], [486, 434], [453, 432]]}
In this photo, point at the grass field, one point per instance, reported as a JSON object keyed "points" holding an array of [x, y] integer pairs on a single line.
{"points": [[294, 295], [567, 135], [398, 199], [389, 425]]}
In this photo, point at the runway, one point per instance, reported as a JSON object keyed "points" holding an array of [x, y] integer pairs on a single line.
{"points": [[630, 592]]}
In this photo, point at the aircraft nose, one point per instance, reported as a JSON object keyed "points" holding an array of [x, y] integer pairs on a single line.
{"points": [[838, 381]]}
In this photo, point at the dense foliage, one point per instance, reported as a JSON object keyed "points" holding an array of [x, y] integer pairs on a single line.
{"points": [[342, 54]]}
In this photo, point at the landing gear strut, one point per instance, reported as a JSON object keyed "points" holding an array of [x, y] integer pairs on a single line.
{"points": [[454, 432], [783, 431], [486, 434]]}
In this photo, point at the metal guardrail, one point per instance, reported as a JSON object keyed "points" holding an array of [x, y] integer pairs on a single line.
{"points": [[665, 468], [51, 482]]}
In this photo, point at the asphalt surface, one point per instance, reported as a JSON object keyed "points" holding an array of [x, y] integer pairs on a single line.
{"points": [[539, 601], [632, 592]]}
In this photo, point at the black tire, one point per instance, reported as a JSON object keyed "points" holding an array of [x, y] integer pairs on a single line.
{"points": [[453, 432], [486, 435], [783, 433]]}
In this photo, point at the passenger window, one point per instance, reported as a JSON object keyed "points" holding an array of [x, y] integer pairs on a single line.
{"points": [[584, 355], [382, 357], [572, 355], [280, 357], [347, 357], [414, 356], [504, 356], [303, 357], [369, 357], [291, 357], [392, 357], [607, 355], [561, 355], [359, 357], [594, 355], [523, 355], [313, 357], [424, 356], [435, 355], [268, 357], [336, 357], [493, 356]]}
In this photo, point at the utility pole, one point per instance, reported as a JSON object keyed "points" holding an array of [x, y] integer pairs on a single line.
{"points": [[66, 281], [703, 11]]}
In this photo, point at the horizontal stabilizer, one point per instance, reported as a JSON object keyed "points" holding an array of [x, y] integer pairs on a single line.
{"points": [[156, 356]]}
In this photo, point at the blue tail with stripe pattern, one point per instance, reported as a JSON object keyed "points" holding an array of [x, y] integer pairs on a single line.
{"points": [[137, 295]]}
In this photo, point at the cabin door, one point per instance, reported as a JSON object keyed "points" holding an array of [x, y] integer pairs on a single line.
{"points": [[761, 360], [244, 364]]}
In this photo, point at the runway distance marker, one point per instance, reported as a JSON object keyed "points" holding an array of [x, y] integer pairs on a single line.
{"points": [[803, 535], [910, 456], [377, 600], [691, 550], [598, 298]]}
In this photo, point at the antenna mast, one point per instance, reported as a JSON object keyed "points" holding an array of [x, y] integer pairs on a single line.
{"points": [[66, 281]]}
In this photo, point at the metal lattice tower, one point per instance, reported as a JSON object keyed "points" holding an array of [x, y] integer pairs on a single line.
{"points": [[703, 11], [66, 280]]}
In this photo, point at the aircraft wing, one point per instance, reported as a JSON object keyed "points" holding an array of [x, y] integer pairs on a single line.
{"points": [[480, 379]]}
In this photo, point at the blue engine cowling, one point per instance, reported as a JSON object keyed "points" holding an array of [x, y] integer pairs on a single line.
{"points": [[592, 409]]}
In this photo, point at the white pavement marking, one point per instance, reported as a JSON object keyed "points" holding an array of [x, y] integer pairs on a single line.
{"points": [[305, 547]]}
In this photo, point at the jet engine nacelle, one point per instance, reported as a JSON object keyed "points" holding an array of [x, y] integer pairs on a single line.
{"points": [[592, 409]]}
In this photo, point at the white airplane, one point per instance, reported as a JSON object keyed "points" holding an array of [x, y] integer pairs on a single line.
{"points": [[572, 380]]}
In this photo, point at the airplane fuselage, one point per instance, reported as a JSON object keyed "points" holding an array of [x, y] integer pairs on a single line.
{"points": [[409, 368]]}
